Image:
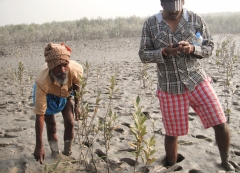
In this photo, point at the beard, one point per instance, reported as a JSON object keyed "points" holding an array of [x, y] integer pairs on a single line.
{"points": [[60, 80]]}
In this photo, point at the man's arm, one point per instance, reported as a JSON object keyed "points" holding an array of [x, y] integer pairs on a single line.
{"points": [[77, 73], [147, 52], [77, 111], [204, 51], [39, 152]]}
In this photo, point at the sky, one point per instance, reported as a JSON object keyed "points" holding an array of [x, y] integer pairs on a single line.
{"points": [[42, 11]]}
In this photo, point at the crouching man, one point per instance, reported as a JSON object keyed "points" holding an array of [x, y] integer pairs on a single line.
{"points": [[55, 91]]}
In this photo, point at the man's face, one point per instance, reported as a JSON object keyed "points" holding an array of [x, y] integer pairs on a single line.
{"points": [[173, 14], [60, 72], [172, 8]]}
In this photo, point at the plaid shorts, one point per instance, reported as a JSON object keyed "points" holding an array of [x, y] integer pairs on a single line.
{"points": [[175, 107]]}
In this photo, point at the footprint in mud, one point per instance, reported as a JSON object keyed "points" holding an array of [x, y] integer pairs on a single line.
{"points": [[147, 114], [128, 150], [31, 104], [122, 138], [144, 170], [2, 145], [156, 112], [20, 120], [180, 158], [87, 144], [235, 165], [192, 113], [10, 135], [174, 168], [118, 108], [114, 165], [190, 118], [237, 153], [119, 130], [129, 161], [100, 154], [203, 138], [17, 129], [126, 124]]}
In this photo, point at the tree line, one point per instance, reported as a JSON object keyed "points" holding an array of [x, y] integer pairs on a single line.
{"points": [[120, 27]]}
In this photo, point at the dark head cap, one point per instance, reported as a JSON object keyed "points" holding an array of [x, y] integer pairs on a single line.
{"points": [[172, 5]]}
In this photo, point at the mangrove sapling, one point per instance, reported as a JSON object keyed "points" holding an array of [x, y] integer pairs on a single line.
{"points": [[149, 150], [153, 121], [10, 73], [86, 127], [151, 89], [144, 75], [139, 130], [98, 76], [226, 60], [91, 131], [85, 123], [109, 120], [20, 72]]}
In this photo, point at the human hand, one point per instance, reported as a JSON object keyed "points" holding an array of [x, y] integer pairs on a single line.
{"points": [[172, 49], [185, 47], [39, 154], [77, 113]]}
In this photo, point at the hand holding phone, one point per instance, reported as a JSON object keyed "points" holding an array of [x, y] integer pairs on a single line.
{"points": [[175, 45]]}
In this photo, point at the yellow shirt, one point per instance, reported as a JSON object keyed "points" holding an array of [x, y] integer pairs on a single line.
{"points": [[46, 85]]}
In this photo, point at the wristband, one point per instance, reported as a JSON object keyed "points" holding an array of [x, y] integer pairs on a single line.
{"points": [[163, 52]]}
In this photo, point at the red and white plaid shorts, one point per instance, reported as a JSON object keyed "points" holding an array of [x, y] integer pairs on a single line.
{"points": [[175, 107]]}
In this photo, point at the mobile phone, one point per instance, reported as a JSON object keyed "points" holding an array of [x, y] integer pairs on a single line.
{"points": [[175, 45]]}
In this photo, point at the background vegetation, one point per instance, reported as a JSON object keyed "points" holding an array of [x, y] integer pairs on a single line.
{"points": [[120, 27]]}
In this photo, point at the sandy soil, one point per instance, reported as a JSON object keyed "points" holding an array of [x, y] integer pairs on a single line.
{"points": [[197, 150]]}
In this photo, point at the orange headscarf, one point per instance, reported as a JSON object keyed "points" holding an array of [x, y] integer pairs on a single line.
{"points": [[56, 54]]}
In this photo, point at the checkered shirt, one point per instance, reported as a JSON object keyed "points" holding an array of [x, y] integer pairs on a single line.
{"points": [[175, 72]]}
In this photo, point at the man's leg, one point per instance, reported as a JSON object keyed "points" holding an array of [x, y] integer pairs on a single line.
{"points": [[205, 102], [68, 118], [222, 136], [52, 133], [174, 109], [171, 149]]}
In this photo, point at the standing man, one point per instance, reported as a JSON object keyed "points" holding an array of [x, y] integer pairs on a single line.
{"points": [[182, 82], [55, 91]]}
